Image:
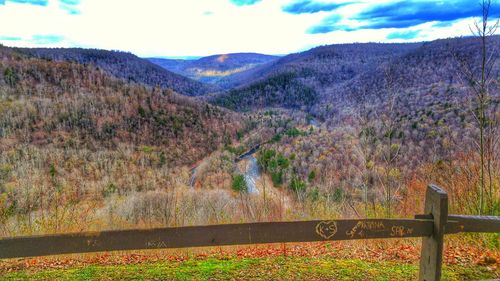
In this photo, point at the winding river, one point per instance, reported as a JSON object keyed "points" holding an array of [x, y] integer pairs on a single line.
{"points": [[192, 179], [250, 171], [251, 174]]}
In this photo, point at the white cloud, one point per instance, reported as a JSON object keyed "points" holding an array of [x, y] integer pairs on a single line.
{"points": [[184, 28]]}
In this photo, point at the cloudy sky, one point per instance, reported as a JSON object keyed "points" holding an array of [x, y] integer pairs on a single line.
{"points": [[173, 28]]}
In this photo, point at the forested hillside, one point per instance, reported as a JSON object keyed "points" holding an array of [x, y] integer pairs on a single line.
{"points": [[434, 63], [360, 128], [69, 104], [388, 130], [342, 75], [316, 70], [270, 157], [126, 66], [72, 136]]}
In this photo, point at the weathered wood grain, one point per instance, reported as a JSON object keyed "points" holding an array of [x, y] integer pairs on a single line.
{"points": [[214, 235], [436, 204], [432, 226], [463, 223]]}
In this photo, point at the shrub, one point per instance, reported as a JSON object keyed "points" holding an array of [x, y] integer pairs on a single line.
{"points": [[294, 132], [312, 176], [298, 185], [338, 195], [277, 178], [239, 184], [109, 189], [10, 77], [276, 138], [150, 207]]}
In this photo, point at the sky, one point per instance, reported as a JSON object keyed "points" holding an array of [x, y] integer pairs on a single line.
{"points": [[182, 28]]}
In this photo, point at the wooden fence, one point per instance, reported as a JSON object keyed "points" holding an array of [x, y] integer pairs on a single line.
{"points": [[432, 226]]}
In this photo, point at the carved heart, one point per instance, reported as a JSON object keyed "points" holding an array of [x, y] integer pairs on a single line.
{"points": [[326, 229]]}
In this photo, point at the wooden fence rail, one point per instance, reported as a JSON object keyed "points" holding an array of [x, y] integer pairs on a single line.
{"points": [[432, 226]]}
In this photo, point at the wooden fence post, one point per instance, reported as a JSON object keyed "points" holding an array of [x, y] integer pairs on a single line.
{"points": [[431, 259]]}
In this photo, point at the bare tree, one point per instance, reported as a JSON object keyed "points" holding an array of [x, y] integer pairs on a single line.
{"points": [[388, 134], [365, 151], [480, 79]]}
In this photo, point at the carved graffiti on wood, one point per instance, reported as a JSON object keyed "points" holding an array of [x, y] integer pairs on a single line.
{"points": [[363, 227], [400, 231], [326, 229], [156, 244]]}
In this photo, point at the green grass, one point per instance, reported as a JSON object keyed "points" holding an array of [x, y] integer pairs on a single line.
{"points": [[276, 268]]}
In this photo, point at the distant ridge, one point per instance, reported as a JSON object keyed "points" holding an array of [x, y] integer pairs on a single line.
{"points": [[216, 69], [324, 78], [126, 66], [300, 79]]}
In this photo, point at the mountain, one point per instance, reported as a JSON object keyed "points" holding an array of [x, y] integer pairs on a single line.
{"points": [[126, 66], [328, 78], [217, 69], [309, 74], [418, 77], [390, 115], [173, 65], [60, 104]]}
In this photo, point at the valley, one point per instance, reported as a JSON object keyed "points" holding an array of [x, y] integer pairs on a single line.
{"points": [[249, 140], [94, 140], [220, 70]]}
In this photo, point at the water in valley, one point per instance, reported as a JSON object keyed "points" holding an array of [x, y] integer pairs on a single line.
{"points": [[251, 174], [192, 179]]}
